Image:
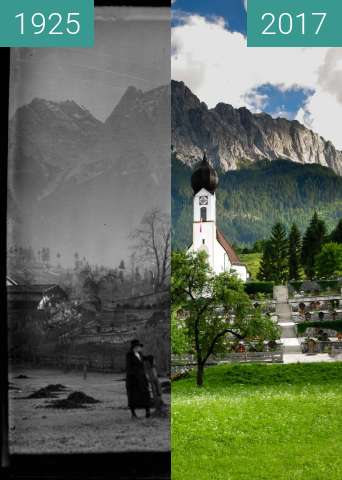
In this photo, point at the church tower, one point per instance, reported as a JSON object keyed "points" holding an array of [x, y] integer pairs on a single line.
{"points": [[206, 236], [204, 181]]}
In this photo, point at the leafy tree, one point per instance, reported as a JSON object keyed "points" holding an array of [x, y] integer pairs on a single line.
{"points": [[274, 263], [179, 335], [122, 265], [215, 308], [294, 258], [313, 240], [329, 261], [336, 234]]}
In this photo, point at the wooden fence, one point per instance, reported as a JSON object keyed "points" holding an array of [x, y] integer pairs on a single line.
{"points": [[98, 363]]}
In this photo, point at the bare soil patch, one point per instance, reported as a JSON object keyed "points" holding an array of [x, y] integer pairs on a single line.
{"points": [[74, 400], [48, 392], [99, 427]]}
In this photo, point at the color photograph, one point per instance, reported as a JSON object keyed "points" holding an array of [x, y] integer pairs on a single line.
{"points": [[256, 317]]}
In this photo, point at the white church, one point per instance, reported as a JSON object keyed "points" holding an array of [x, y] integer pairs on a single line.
{"points": [[206, 236]]}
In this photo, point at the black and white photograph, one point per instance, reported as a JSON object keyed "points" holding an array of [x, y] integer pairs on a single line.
{"points": [[88, 240]]}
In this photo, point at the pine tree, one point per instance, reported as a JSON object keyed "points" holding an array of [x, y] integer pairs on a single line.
{"points": [[279, 245], [336, 234], [294, 257], [313, 240], [265, 269], [274, 263]]}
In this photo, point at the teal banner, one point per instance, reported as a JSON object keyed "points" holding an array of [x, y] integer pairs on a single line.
{"points": [[47, 23], [294, 23]]}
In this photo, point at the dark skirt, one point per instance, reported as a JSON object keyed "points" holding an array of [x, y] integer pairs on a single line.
{"points": [[136, 382], [137, 391]]}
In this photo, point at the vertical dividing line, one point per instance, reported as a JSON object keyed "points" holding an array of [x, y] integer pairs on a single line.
{"points": [[4, 453]]}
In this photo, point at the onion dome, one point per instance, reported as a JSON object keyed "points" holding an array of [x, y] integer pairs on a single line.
{"points": [[204, 176]]}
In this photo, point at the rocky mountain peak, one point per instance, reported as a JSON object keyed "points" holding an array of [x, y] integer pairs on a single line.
{"points": [[234, 137]]}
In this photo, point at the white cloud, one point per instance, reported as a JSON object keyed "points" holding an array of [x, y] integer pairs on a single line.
{"points": [[217, 65], [323, 111]]}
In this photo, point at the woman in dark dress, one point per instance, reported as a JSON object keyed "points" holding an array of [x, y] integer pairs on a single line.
{"points": [[136, 382]]}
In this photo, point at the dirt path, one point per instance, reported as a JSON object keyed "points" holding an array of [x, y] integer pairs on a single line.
{"points": [[102, 427]]}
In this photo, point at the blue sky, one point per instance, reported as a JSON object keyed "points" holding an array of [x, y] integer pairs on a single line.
{"points": [[232, 11], [280, 103], [276, 100]]}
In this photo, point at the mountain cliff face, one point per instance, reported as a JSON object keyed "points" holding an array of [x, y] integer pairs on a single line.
{"points": [[68, 173], [236, 137]]}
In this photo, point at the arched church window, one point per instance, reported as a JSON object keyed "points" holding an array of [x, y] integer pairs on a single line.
{"points": [[204, 214]]}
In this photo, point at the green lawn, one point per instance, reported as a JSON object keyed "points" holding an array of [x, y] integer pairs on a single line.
{"points": [[254, 422], [252, 261]]}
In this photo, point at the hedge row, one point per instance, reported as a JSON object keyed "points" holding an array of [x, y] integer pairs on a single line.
{"points": [[253, 288], [330, 324], [324, 284]]}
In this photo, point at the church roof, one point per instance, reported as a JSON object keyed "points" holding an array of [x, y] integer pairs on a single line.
{"points": [[204, 176], [232, 255]]}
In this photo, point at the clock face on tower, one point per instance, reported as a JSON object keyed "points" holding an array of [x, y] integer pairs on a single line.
{"points": [[203, 200]]}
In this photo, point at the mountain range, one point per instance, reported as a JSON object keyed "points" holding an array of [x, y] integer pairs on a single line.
{"points": [[269, 169], [236, 137], [78, 184]]}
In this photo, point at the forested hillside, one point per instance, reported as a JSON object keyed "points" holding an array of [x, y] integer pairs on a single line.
{"points": [[252, 199]]}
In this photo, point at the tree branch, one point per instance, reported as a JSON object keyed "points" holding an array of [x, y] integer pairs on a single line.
{"points": [[217, 337]]}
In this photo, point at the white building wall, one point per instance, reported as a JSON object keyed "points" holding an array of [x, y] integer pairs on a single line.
{"points": [[241, 271], [204, 237], [221, 259], [211, 207]]}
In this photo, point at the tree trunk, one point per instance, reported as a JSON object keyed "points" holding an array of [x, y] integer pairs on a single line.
{"points": [[200, 374]]}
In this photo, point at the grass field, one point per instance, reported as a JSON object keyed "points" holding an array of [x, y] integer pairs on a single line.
{"points": [[259, 422], [252, 261]]}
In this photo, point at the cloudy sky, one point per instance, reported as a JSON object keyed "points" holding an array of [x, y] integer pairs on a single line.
{"points": [[210, 54]]}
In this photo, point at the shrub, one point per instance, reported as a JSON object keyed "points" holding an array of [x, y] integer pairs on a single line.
{"points": [[253, 288]]}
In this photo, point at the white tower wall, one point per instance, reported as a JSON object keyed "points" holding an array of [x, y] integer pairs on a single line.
{"points": [[211, 207], [205, 235]]}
